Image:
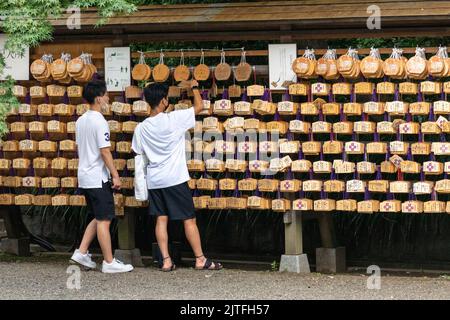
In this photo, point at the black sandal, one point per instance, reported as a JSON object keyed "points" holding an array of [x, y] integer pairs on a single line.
{"points": [[171, 268], [208, 264]]}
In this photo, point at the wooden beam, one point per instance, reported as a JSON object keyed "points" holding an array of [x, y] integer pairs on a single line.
{"points": [[252, 53]]}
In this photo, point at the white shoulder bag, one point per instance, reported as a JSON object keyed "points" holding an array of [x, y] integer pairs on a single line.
{"points": [[140, 173]]}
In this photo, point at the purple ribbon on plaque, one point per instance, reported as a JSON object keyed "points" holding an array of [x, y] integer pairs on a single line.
{"points": [[378, 174], [266, 95], [225, 94], [257, 192], [442, 137], [333, 174], [366, 194], [298, 116], [411, 196], [247, 173], [289, 135], [196, 193], [217, 193], [330, 96], [389, 196], [236, 191], [28, 98], [278, 193], [376, 137], [30, 171], [396, 93], [66, 98], [205, 94], [422, 176], [409, 155], [342, 115], [286, 96], [388, 154], [374, 95], [420, 136], [301, 194], [244, 96], [323, 195], [276, 117], [331, 136], [352, 94], [321, 156], [419, 96], [320, 115], [445, 175], [431, 115], [309, 94], [408, 117], [300, 154], [289, 174], [434, 196], [311, 176]]}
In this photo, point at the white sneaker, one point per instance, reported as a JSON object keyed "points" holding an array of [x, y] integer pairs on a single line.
{"points": [[83, 259], [116, 266]]}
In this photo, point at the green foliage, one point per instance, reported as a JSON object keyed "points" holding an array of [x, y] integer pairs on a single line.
{"points": [[274, 266], [27, 23]]}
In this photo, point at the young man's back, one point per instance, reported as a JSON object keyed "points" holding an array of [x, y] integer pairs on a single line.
{"points": [[92, 134], [162, 139], [95, 165]]}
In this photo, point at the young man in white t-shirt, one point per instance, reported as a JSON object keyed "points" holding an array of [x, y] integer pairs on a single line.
{"points": [[161, 137], [95, 165]]}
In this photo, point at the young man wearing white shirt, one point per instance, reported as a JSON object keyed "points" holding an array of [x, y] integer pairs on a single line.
{"points": [[161, 137], [94, 169]]}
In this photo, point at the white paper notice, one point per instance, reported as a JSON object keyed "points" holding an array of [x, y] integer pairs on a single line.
{"points": [[281, 57], [17, 66], [117, 68]]}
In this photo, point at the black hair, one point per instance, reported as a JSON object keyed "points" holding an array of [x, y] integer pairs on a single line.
{"points": [[154, 93], [95, 88]]}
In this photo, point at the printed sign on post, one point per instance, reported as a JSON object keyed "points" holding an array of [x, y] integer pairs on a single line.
{"points": [[281, 57], [117, 68], [16, 65]]}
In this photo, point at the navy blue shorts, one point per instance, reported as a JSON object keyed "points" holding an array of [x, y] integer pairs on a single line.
{"points": [[175, 202], [100, 202]]}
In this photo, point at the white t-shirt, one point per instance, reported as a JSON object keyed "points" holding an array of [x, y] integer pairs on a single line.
{"points": [[162, 139], [92, 134]]}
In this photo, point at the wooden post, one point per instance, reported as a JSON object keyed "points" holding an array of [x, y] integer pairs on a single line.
{"points": [[127, 251], [18, 241], [327, 233], [293, 233], [126, 230]]}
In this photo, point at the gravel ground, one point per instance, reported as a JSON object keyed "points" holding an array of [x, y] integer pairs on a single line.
{"points": [[44, 278]]}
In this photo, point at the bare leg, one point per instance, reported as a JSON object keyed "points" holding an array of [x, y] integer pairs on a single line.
{"points": [[104, 238], [163, 239], [193, 236], [89, 235]]}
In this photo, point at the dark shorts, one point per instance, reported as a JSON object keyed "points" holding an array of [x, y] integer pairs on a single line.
{"points": [[100, 202], [175, 202]]}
